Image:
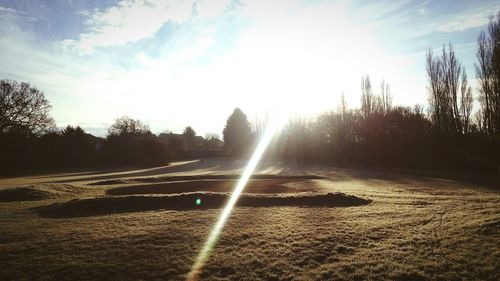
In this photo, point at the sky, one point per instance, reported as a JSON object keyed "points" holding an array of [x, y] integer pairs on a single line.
{"points": [[178, 63]]}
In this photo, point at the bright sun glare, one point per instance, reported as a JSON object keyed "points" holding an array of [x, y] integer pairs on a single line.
{"points": [[305, 59], [274, 125], [296, 69]]}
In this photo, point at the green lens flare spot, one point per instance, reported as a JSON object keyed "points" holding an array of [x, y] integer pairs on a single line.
{"points": [[197, 201]]}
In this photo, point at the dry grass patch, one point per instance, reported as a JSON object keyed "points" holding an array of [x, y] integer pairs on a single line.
{"points": [[414, 229]]}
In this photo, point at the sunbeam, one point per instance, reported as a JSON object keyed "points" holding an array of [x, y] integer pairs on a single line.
{"points": [[273, 126]]}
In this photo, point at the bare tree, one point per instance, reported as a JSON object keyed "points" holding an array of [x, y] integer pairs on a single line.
{"points": [[209, 136], [23, 108], [418, 109], [488, 74], [465, 102], [446, 77], [128, 126], [367, 98], [386, 96], [479, 121], [452, 70], [435, 89], [343, 108], [213, 141]]}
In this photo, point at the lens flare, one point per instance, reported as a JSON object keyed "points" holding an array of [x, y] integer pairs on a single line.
{"points": [[273, 126]]}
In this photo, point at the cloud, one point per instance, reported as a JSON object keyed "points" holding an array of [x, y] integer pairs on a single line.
{"points": [[130, 21], [7, 14], [218, 55], [4, 10], [95, 86], [464, 22]]}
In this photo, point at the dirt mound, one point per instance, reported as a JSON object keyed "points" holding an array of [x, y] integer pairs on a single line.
{"points": [[191, 201], [25, 193], [203, 177], [253, 186]]}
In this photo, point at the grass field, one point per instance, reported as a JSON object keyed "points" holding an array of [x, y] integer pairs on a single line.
{"points": [[292, 223]]}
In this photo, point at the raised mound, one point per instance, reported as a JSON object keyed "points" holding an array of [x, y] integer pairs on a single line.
{"points": [[192, 201], [203, 177], [27, 193], [253, 186]]}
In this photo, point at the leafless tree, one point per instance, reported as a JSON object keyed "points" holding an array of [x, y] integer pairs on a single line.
{"points": [[479, 120], [446, 77], [213, 141], [127, 126], [418, 109], [435, 89], [386, 96], [343, 108], [488, 74], [367, 97], [212, 136], [465, 102], [452, 70], [24, 108]]}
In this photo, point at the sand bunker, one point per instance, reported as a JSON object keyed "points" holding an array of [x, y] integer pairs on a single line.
{"points": [[28, 193], [253, 186], [202, 177], [191, 201]]}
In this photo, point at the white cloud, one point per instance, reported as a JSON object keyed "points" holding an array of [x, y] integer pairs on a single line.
{"points": [[4, 10], [131, 21], [7, 13], [290, 54], [464, 21]]}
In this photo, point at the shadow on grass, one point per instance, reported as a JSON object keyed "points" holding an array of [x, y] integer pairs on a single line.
{"points": [[191, 201], [253, 186], [204, 177], [27, 193]]}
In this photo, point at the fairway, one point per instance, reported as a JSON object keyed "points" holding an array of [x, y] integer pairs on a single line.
{"points": [[148, 225]]}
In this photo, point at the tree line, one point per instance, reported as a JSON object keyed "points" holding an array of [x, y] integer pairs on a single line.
{"points": [[448, 135], [445, 136]]}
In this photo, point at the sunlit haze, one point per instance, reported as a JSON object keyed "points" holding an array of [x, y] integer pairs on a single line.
{"points": [[276, 122], [179, 63]]}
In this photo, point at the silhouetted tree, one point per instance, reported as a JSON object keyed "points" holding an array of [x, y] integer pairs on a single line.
{"points": [[446, 78], [213, 142], [189, 136], [385, 96], [435, 90], [343, 107], [189, 132], [465, 103], [79, 147], [23, 108], [130, 142], [488, 74], [367, 98], [128, 126], [237, 133]]}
